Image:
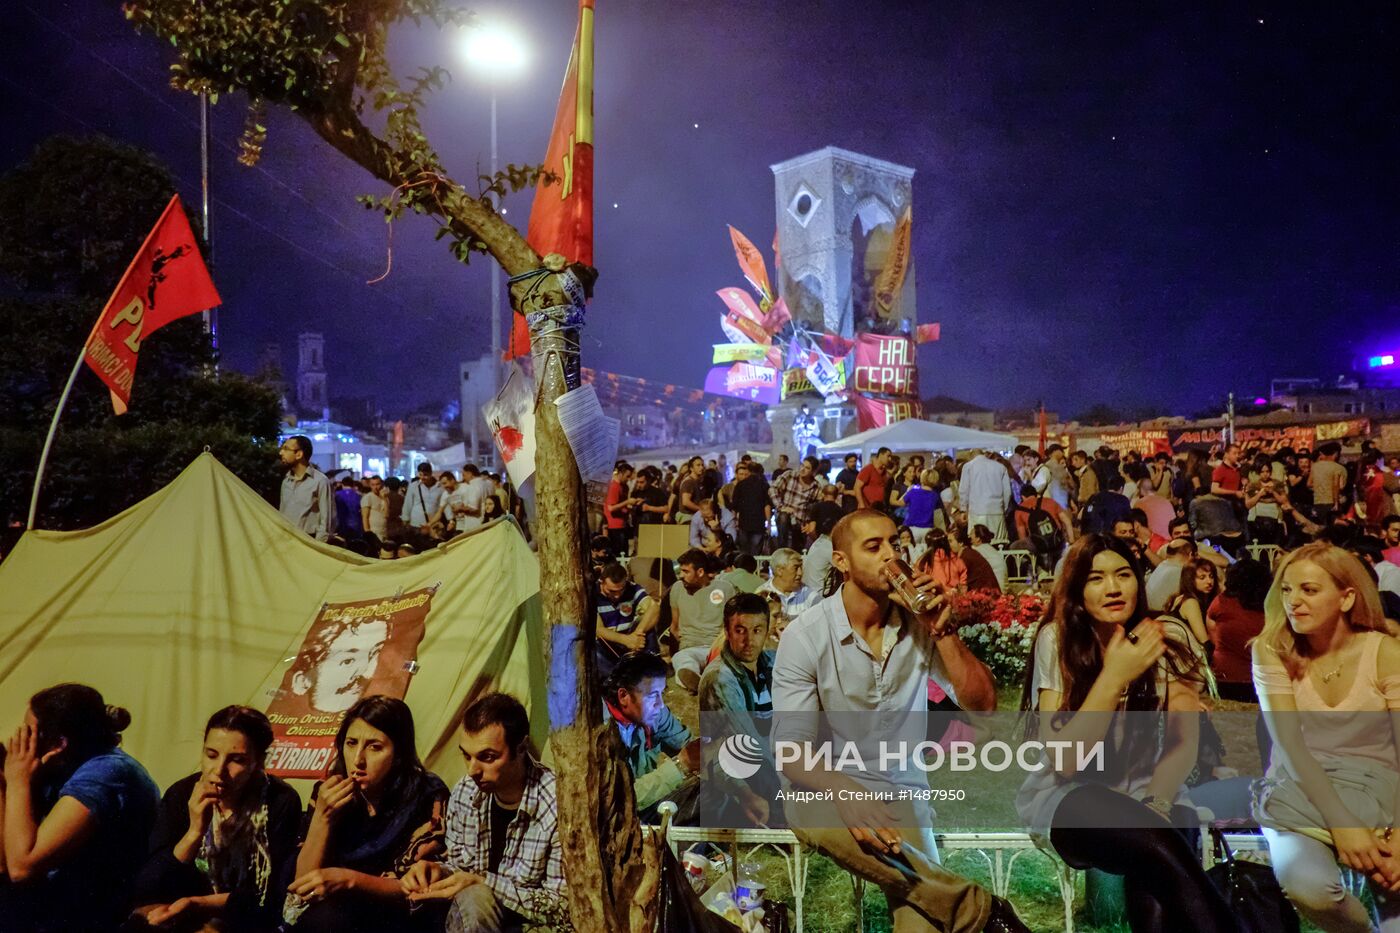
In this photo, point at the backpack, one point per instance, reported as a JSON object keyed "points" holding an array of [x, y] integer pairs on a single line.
{"points": [[1046, 535]]}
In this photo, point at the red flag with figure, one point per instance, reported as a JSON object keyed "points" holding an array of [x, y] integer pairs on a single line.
{"points": [[166, 281], [561, 219]]}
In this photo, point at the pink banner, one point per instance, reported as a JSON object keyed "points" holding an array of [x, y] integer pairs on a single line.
{"points": [[741, 303], [778, 316], [876, 413], [748, 381], [885, 366]]}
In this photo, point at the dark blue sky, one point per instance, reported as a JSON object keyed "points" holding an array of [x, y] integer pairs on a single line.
{"points": [[1134, 205]]}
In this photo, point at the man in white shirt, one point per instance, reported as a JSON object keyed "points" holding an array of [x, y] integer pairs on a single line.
{"points": [[786, 591], [985, 491], [307, 500], [374, 509], [472, 501], [1052, 478], [817, 561], [421, 500]]}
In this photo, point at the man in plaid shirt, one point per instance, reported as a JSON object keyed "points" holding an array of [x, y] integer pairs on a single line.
{"points": [[793, 494], [504, 868]]}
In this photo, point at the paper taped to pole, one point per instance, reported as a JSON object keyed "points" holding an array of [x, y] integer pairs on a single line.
{"points": [[511, 417]]}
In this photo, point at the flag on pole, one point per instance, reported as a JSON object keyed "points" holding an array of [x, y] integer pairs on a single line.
{"points": [[1043, 426], [751, 262], [561, 219], [166, 281]]}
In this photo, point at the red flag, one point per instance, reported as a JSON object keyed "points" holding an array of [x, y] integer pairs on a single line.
{"points": [[167, 280], [927, 333], [1042, 431], [751, 262], [561, 219]]}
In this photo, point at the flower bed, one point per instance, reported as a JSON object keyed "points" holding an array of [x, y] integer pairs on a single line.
{"points": [[1000, 630]]}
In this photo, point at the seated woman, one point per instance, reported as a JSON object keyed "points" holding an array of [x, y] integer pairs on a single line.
{"points": [[939, 562], [1104, 672], [1327, 669], [378, 813], [77, 814], [224, 838], [1193, 599]]}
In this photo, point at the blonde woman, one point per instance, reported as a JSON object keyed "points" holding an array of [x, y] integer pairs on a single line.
{"points": [[1327, 671]]}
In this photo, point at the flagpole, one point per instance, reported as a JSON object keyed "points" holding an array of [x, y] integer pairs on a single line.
{"points": [[48, 441]]}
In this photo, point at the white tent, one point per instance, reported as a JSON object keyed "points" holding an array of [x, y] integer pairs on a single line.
{"points": [[915, 436]]}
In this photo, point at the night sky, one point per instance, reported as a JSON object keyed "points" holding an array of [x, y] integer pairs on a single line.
{"points": [[1114, 203]]}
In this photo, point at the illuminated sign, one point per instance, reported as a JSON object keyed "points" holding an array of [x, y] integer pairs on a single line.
{"points": [[1379, 361]]}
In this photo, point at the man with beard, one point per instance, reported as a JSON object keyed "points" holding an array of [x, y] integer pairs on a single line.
{"points": [[697, 614], [306, 501], [861, 654], [503, 867]]}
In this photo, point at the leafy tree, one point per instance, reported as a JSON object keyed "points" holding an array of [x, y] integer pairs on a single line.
{"points": [[71, 218], [326, 61]]}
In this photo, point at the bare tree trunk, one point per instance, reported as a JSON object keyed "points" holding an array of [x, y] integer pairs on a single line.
{"points": [[611, 867]]}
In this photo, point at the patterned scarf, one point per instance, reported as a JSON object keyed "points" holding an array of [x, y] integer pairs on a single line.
{"points": [[235, 848]]}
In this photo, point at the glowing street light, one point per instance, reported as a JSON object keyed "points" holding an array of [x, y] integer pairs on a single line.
{"points": [[496, 52]]}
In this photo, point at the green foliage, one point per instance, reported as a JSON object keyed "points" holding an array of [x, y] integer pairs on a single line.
{"points": [[102, 463], [326, 59]]}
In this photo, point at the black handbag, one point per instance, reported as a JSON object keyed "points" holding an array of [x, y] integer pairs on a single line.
{"points": [[1253, 892]]}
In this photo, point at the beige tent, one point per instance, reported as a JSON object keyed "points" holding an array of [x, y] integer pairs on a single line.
{"points": [[201, 596]]}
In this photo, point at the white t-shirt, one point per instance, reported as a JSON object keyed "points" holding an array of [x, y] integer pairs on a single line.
{"points": [[378, 514], [474, 493]]}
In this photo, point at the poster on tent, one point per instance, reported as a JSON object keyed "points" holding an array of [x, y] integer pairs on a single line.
{"points": [[355, 649], [885, 365], [876, 413]]}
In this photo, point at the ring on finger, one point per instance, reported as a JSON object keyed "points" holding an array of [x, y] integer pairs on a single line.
{"points": [[1132, 637]]}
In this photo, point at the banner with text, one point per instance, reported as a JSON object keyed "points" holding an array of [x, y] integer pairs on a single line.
{"points": [[747, 381], [876, 413], [885, 366], [354, 649]]}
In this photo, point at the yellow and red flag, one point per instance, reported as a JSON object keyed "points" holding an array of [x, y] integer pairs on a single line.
{"points": [[561, 219], [751, 262], [890, 282], [166, 281]]}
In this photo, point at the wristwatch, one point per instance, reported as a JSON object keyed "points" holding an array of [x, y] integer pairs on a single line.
{"points": [[1159, 806]]}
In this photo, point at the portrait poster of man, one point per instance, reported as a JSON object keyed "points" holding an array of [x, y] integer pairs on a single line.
{"points": [[352, 650]]}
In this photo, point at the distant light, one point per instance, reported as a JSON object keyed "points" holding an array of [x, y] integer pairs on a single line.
{"points": [[1114, 138], [1261, 401], [494, 49], [1261, 22], [614, 204], [697, 126], [1386, 360], [504, 211]]}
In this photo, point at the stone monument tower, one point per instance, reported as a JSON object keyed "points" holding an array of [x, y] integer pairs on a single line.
{"points": [[311, 374], [836, 216]]}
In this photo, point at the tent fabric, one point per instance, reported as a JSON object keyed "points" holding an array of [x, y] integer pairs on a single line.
{"points": [[918, 436], [200, 596]]}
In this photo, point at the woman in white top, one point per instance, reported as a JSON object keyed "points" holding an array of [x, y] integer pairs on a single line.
{"points": [[1104, 672], [1327, 671]]}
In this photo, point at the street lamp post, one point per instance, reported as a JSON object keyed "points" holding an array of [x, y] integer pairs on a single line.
{"points": [[497, 52]]}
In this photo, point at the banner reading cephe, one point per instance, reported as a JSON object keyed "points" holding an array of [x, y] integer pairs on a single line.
{"points": [[885, 365], [352, 650]]}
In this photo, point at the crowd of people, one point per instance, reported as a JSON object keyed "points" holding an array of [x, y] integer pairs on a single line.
{"points": [[1270, 578], [89, 844], [805, 594], [390, 518]]}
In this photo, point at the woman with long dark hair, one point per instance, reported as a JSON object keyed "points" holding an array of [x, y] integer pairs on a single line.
{"points": [[224, 838], [939, 562], [77, 816], [1327, 669], [1104, 672], [379, 812], [1193, 598]]}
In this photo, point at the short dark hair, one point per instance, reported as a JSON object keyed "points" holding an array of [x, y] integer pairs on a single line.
{"points": [[498, 709], [613, 573], [631, 670], [694, 558], [1389, 520], [1138, 516], [251, 723], [1115, 481], [745, 604], [883, 450], [1179, 520], [599, 542], [425, 467], [1053, 448], [982, 533], [303, 443], [471, 468], [1330, 449], [743, 560]]}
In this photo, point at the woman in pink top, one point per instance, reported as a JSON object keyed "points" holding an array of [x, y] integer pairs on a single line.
{"points": [[940, 563], [1327, 670]]}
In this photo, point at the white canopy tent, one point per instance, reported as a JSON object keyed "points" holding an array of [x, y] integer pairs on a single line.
{"points": [[915, 436]]}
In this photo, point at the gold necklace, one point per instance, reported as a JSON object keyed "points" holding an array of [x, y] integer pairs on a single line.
{"points": [[1327, 678]]}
